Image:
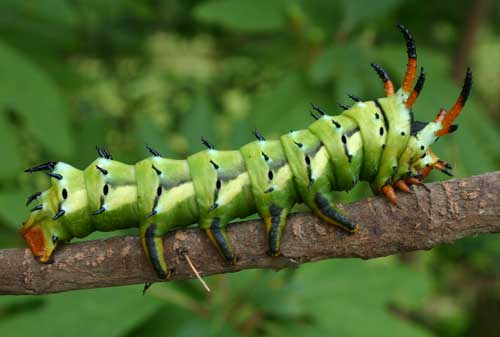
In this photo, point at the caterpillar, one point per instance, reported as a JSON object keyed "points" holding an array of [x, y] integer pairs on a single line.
{"points": [[377, 141]]}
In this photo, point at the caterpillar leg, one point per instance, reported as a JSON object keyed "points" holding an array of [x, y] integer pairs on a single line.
{"points": [[152, 243], [402, 186], [218, 235], [275, 222], [388, 191], [324, 207]]}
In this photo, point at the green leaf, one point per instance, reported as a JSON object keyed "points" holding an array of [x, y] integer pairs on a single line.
{"points": [[31, 93], [199, 121], [340, 294], [182, 323], [356, 12], [147, 132], [346, 63], [55, 11], [283, 106], [245, 15], [13, 210], [99, 312], [11, 157]]}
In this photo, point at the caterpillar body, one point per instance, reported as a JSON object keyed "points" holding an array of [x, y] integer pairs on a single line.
{"points": [[376, 141]]}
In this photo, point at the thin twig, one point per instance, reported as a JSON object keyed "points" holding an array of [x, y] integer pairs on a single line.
{"points": [[195, 271]]}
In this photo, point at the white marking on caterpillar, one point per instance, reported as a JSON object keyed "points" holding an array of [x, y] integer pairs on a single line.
{"points": [[175, 196], [319, 163], [233, 187], [282, 176]]}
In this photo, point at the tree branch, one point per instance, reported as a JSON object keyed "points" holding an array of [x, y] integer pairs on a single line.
{"points": [[435, 214]]}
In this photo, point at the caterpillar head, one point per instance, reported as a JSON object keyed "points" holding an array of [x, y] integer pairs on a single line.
{"points": [[61, 206], [426, 134]]}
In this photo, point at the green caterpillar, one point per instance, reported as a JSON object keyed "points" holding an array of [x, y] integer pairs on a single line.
{"points": [[375, 141]]}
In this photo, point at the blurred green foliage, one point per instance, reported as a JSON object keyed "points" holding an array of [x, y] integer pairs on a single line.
{"points": [[125, 73]]}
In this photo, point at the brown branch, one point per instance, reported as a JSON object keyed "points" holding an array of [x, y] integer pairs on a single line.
{"points": [[441, 213]]}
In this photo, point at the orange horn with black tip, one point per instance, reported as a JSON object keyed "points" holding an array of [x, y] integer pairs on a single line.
{"points": [[411, 68], [450, 116]]}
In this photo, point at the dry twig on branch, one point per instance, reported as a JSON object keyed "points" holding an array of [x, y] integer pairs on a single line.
{"points": [[437, 214]]}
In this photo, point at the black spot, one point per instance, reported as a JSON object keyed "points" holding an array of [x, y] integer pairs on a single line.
{"points": [[381, 131], [105, 189], [158, 172], [337, 124], [266, 157], [422, 147], [103, 171], [377, 116], [383, 146], [403, 133], [214, 164], [55, 238], [218, 184], [423, 155], [270, 175], [308, 160], [64, 194], [394, 168], [298, 144], [159, 190], [344, 139]]}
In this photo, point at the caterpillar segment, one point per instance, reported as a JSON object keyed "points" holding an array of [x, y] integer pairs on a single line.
{"points": [[377, 141], [272, 184]]}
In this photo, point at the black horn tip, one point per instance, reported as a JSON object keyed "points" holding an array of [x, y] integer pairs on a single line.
{"points": [[207, 143], [33, 197], [410, 43], [318, 109], [48, 166], [467, 86], [258, 135], [153, 151]]}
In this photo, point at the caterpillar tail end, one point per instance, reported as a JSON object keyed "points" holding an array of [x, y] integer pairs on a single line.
{"points": [[40, 243]]}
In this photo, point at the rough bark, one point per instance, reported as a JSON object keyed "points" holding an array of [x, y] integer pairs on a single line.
{"points": [[438, 213]]}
